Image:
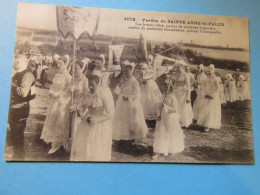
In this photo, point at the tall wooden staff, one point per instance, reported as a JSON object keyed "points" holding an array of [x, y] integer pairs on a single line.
{"points": [[168, 84], [72, 114], [74, 21]]}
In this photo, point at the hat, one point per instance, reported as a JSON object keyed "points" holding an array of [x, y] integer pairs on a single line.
{"points": [[229, 76], [56, 56], [181, 62], [150, 57], [201, 67], [212, 67], [67, 57], [241, 77]]}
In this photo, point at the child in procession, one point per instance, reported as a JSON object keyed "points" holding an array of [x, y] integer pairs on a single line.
{"points": [[93, 138], [168, 137]]}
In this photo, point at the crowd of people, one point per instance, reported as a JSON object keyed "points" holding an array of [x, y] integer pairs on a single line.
{"points": [[90, 106]]}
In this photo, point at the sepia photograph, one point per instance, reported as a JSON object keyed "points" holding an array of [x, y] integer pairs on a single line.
{"points": [[110, 85]]}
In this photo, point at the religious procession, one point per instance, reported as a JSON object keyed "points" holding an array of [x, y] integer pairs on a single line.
{"points": [[96, 106]]}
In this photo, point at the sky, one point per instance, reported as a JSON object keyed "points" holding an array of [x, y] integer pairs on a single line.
{"points": [[234, 33]]}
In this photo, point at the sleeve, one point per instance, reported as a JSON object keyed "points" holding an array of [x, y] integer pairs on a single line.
{"points": [[105, 79], [192, 79], [225, 83], [66, 88], [65, 91], [85, 85], [216, 89], [109, 105], [82, 107], [25, 86]]}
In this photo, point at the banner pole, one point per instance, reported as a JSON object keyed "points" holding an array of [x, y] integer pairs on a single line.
{"points": [[73, 68], [72, 83]]}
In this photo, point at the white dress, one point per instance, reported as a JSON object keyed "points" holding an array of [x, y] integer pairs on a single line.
{"points": [[243, 90], [104, 83], [230, 90], [210, 116], [129, 122], [56, 126], [94, 142], [168, 136], [221, 91], [200, 95], [81, 88], [182, 93], [150, 98]]}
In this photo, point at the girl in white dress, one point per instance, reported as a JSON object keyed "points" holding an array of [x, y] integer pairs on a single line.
{"points": [[129, 122], [230, 88], [182, 93], [243, 89], [93, 139], [199, 83], [210, 116], [56, 126], [150, 93], [80, 88], [101, 70], [168, 137], [221, 90]]}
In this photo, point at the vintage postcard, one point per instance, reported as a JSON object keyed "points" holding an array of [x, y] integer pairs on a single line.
{"points": [[106, 85]]}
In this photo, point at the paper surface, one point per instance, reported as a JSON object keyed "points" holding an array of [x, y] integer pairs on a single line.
{"points": [[173, 40]]}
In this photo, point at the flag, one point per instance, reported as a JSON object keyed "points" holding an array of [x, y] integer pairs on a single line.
{"points": [[77, 20], [115, 52]]}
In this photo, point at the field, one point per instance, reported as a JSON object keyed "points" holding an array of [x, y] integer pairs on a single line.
{"points": [[233, 143]]}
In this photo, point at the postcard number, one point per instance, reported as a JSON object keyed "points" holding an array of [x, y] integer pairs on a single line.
{"points": [[129, 19]]}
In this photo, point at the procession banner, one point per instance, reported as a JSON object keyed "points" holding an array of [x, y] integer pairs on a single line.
{"points": [[134, 101]]}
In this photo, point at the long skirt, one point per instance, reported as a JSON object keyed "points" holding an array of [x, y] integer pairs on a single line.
{"points": [[243, 92], [197, 104], [222, 97], [210, 116], [231, 92], [168, 137], [185, 109], [92, 143], [129, 122], [151, 98], [56, 126]]}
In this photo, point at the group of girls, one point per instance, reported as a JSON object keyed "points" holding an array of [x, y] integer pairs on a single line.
{"points": [[108, 106], [211, 93], [236, 89], [98, 116]]}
